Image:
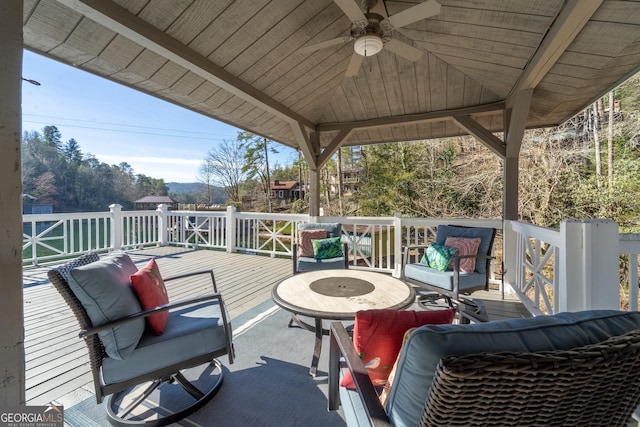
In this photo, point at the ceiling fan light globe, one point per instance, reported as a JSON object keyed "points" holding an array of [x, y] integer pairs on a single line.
{"points": [[368, 45]]}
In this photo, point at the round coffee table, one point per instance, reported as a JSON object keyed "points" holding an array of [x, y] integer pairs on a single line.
{"points": [[338, 295]]}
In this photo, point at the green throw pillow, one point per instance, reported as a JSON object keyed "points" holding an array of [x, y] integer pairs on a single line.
{"points": [[327, 248], [438, 256]]}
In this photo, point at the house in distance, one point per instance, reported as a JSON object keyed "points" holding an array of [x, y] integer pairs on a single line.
{"points": [[151, 202]]}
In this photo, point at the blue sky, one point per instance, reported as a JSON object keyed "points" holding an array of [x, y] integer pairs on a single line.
{"points": [[117, 124]]}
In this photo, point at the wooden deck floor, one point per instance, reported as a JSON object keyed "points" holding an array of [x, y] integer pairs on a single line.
{"points": [[57, 365]]}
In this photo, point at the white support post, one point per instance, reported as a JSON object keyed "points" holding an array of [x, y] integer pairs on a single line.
{"points": [[397, 244], [162, 224], [116, 226], [314, 192], [12, 375], [230, 227], [589, 276], [509, 256], [633, 282]]}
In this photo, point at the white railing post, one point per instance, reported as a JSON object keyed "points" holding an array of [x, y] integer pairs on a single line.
{"points": [[397, 243], [633, 282], [116, 226], [230, 226], [509, 267], [589, 265], [162, 224]]}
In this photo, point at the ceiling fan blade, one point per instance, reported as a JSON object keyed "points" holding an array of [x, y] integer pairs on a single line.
{"points": [[351, 9], [326, 43], [380, 9], [354, 65], [415, 13], [402, 49]]}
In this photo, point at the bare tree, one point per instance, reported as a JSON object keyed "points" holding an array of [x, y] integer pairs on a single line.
{"points": [[205, 176], [256, 160], [224, 166], [596, 141], [610, 140]]}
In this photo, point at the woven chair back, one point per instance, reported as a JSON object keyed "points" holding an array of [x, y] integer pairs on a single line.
{"points": [[595, 385]]}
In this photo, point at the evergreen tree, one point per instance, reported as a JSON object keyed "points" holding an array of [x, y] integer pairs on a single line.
{"points": [[52, 136]]}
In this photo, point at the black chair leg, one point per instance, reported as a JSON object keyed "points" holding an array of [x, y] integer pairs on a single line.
{"points": [[126, 417]]}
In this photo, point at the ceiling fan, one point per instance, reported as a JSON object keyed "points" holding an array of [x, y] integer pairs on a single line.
{"points": [[372, 30]]}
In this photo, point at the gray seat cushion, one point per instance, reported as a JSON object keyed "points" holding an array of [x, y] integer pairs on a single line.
{"points": [[104, 290], [198, 328], [444, 279], [312, 264], [428, 344]]}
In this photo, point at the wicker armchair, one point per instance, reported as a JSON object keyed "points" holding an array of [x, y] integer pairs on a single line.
{"points": [[204, 316], [594, 385]]}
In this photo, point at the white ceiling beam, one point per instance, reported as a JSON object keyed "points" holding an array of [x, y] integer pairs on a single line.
{"points": [[481, 134], [334, 146], [304, 142], [412, 118], [118, 19], [566, 27]]}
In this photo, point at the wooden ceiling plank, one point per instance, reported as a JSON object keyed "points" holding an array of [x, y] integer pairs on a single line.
{"points": [[393, 91], [255, 38], [371, 74], [574, 15], [472, 54], [437, 83], [195, 19], [113, 16], [455, 93], [506, 47], [224, 24], [270, 68], [315, 81]]}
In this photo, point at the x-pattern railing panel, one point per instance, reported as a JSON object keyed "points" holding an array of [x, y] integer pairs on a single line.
{"points": [[536, 272]]}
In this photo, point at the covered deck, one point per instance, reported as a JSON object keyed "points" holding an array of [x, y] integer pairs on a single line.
{"points": [[476, 68], [57, 364]]}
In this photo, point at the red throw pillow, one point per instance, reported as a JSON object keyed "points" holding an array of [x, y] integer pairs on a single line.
{"points": [[305, 247], [149, 287], [377, 337]]}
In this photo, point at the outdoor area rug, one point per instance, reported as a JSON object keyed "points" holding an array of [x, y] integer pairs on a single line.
{"points": [[267, 385]]}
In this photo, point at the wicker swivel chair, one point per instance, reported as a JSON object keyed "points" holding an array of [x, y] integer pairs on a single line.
{"points": [[197, 332]]}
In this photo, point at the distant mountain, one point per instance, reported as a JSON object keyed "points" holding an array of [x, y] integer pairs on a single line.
{"points": [[185, 187], [189, 192]]}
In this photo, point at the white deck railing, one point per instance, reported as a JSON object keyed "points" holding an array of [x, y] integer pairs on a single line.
{"points": [[537, 253], [533, 256], [541, 252]]}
